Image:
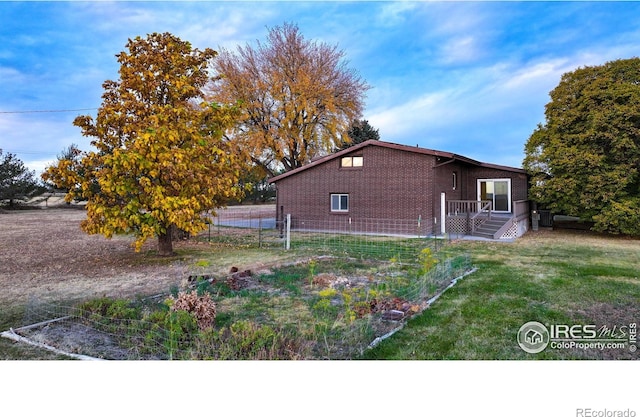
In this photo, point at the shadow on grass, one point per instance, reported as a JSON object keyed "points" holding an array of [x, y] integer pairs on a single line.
{"points": [[555, 283]]}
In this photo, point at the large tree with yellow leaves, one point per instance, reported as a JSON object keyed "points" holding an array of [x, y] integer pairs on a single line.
{"points": [[299, 97], [161, 159]]}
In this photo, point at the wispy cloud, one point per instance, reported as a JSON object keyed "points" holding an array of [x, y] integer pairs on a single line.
{"points": [[504, 99], [37, 139], [395, 12], [10, 76], [469, 77], [460, 50]]}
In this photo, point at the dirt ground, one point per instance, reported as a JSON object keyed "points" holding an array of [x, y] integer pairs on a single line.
{"points": [[45, 255]]}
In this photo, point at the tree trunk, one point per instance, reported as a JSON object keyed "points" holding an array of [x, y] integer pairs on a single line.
{"points": [[178, 234], [165, 245]]}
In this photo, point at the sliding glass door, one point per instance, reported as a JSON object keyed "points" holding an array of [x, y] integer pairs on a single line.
{"points": [[498, 191]]}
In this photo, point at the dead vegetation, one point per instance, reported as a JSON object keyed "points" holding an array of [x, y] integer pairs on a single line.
{"points": [[45, 255]]}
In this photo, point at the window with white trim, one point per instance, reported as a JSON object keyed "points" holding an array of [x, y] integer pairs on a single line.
{"points": [[351, 162], [498, 191], [339, 203]]}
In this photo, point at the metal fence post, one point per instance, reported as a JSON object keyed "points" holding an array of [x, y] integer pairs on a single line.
{"points": [[288, 240]]}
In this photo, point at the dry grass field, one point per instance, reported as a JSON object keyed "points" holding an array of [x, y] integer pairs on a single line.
{"points": [[45, 256]]}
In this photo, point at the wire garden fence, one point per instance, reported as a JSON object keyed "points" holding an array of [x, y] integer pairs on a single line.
{"points": [[355, 284], [327, 316], [393, 240], [400, 240], [72, 331], [116, 329]]}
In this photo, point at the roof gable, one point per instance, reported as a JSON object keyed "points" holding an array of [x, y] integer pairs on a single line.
{"points": [[396, 146]]}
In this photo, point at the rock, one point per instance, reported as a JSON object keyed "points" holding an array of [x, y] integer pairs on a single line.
{"points": [[240, 280], [243, 274], [200, 277], [394, 315]]}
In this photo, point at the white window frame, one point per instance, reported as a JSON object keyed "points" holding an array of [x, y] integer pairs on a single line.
{"points": [[352, 161], [509, 199], [340, 208]]}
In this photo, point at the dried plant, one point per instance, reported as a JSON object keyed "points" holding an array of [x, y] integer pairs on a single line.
{"points": [[201, 307]]}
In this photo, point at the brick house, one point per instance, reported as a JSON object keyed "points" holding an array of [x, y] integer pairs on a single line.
{"points": [[385, 188]]}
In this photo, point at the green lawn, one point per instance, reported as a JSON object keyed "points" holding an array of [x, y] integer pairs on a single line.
{"points": [[550, 277]]}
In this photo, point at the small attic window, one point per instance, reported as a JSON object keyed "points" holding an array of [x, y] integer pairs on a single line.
{"points": [[351, 162]]}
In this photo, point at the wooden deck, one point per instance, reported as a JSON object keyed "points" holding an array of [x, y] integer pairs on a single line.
{"points": [[476, 218]]}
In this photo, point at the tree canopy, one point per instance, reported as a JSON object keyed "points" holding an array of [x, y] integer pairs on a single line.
{"points": [[585, 159], [70, 158], [161, 159], [17, 182], [298, 97]]}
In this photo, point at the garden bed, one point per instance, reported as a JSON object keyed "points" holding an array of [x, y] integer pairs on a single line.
{"points": [[322, 308]]}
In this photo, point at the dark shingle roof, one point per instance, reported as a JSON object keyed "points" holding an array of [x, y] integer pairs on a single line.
{"points": [[406, 148]]}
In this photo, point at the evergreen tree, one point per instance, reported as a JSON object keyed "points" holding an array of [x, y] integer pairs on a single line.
{"points": [[359, 131], [17, 182]]}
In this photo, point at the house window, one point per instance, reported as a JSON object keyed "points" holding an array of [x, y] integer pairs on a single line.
{"points": [[351, 162], [455, 180], [339, 203]]}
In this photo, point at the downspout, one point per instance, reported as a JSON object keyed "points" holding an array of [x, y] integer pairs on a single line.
{"points": [[434, 219]]}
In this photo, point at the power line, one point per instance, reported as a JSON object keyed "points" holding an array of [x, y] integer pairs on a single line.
{"points": [[46, 111], [27, 152]]}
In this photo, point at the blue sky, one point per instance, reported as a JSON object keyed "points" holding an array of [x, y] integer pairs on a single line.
{"points": [[466, 77]]}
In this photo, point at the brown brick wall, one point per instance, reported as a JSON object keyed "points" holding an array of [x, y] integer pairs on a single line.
{"points": [[392, 184], [519, 189]]}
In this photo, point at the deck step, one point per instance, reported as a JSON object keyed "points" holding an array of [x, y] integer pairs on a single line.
{"points": [[489, 228]]}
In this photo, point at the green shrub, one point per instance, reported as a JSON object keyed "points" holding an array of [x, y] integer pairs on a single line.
{"points": [[245, 340], [122, 309], [109, 308], [182, 328]]}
